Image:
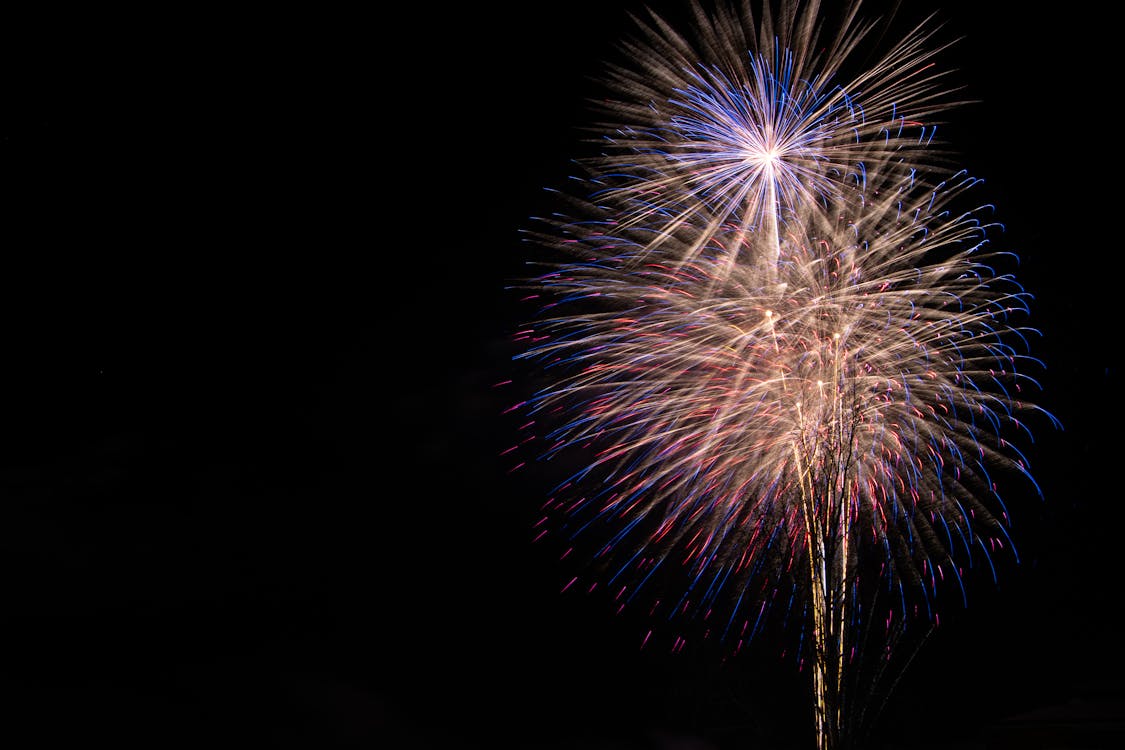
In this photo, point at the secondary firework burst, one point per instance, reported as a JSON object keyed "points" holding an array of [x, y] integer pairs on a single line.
{"points": [[788, 361]]}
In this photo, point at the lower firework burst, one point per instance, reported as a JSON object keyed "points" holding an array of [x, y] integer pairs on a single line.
{"points": [[820, 434]]}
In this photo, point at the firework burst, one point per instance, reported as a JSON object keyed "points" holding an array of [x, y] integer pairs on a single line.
{"points": [[755, 115], [788, 363]]}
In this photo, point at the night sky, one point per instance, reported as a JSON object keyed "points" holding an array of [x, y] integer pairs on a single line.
{"points": [[252, 287]]}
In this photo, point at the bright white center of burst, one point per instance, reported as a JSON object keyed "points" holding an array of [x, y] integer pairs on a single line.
{"points": [[764, 158]]}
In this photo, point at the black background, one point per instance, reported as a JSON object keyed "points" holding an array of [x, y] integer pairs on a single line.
{"points": [[253, 309]]}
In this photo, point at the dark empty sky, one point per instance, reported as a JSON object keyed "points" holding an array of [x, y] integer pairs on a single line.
{"points": [[252, 306]]}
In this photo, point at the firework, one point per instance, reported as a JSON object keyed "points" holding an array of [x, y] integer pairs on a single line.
{"points": [[781, 345], [754, 116]]}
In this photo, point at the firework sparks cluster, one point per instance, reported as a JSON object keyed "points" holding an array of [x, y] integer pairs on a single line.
{"points": [[778, 340]]}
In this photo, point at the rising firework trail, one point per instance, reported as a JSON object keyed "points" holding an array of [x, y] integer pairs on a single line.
{"points": [[780, 342]]}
